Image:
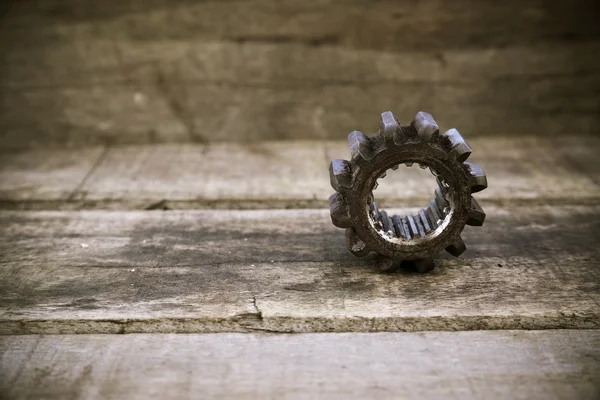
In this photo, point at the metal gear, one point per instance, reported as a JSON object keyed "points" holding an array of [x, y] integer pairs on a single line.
{"points": [[416, 237]]}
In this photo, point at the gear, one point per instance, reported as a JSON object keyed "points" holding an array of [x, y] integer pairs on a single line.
{"points": [[415, 237]]}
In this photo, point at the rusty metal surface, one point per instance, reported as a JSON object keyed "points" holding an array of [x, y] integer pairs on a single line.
{"points": [[416, 237]]}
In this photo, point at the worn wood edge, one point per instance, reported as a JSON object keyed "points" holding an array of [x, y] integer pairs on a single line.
{"points": [[257, 322], [258, 204]]}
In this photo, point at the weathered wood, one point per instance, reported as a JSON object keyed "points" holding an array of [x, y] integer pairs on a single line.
{"points": [[172, 111], [288, 271], [46, 174], [280, 175], [432, 24], [430, 365], [157, 71], [283, 173], [106, 63]]}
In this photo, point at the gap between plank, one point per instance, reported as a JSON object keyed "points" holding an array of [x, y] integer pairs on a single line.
{"points": [[238, 204]]}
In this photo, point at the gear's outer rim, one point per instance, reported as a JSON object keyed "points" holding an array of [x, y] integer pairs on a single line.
{"points": [[373, 156]]}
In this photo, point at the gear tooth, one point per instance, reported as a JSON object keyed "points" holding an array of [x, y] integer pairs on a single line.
{"points": [[457, 146], [340, 174], [338, 209], [355, 245], [412, 225], [433, 213], [398, 226], [476, 214], [407, 233], [440, 200], [389, 126], [376, 214], [419, 225], [424, 220], [441, 185], [478, 178], [360, 146], [426, 127], [457, 248], [385, 220]]}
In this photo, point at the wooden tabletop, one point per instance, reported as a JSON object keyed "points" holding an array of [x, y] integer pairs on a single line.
{"points": [[234, 242], [164, 230]]}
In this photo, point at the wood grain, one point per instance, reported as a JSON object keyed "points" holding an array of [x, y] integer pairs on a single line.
{"points": [[46, 174], [291, 174], [432, 24], [430, 365], [127, 86], [219, 112], [194, 72], [288, 271]]}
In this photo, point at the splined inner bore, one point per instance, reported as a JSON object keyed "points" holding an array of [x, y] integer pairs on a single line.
{"points": [[427, 222]]}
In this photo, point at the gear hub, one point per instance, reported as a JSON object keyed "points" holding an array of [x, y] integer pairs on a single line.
{"points": [[415, 237]]}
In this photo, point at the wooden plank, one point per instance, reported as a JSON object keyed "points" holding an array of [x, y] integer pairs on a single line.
{"points": [[282, 174], [53, 175], [288, 271], [148, 71], [292, 174], [181, 62], [432, 24], [429, 365], [223, 112]]}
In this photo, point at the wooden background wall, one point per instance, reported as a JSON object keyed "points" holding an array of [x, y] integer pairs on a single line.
{"points": [[82, 72]]}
